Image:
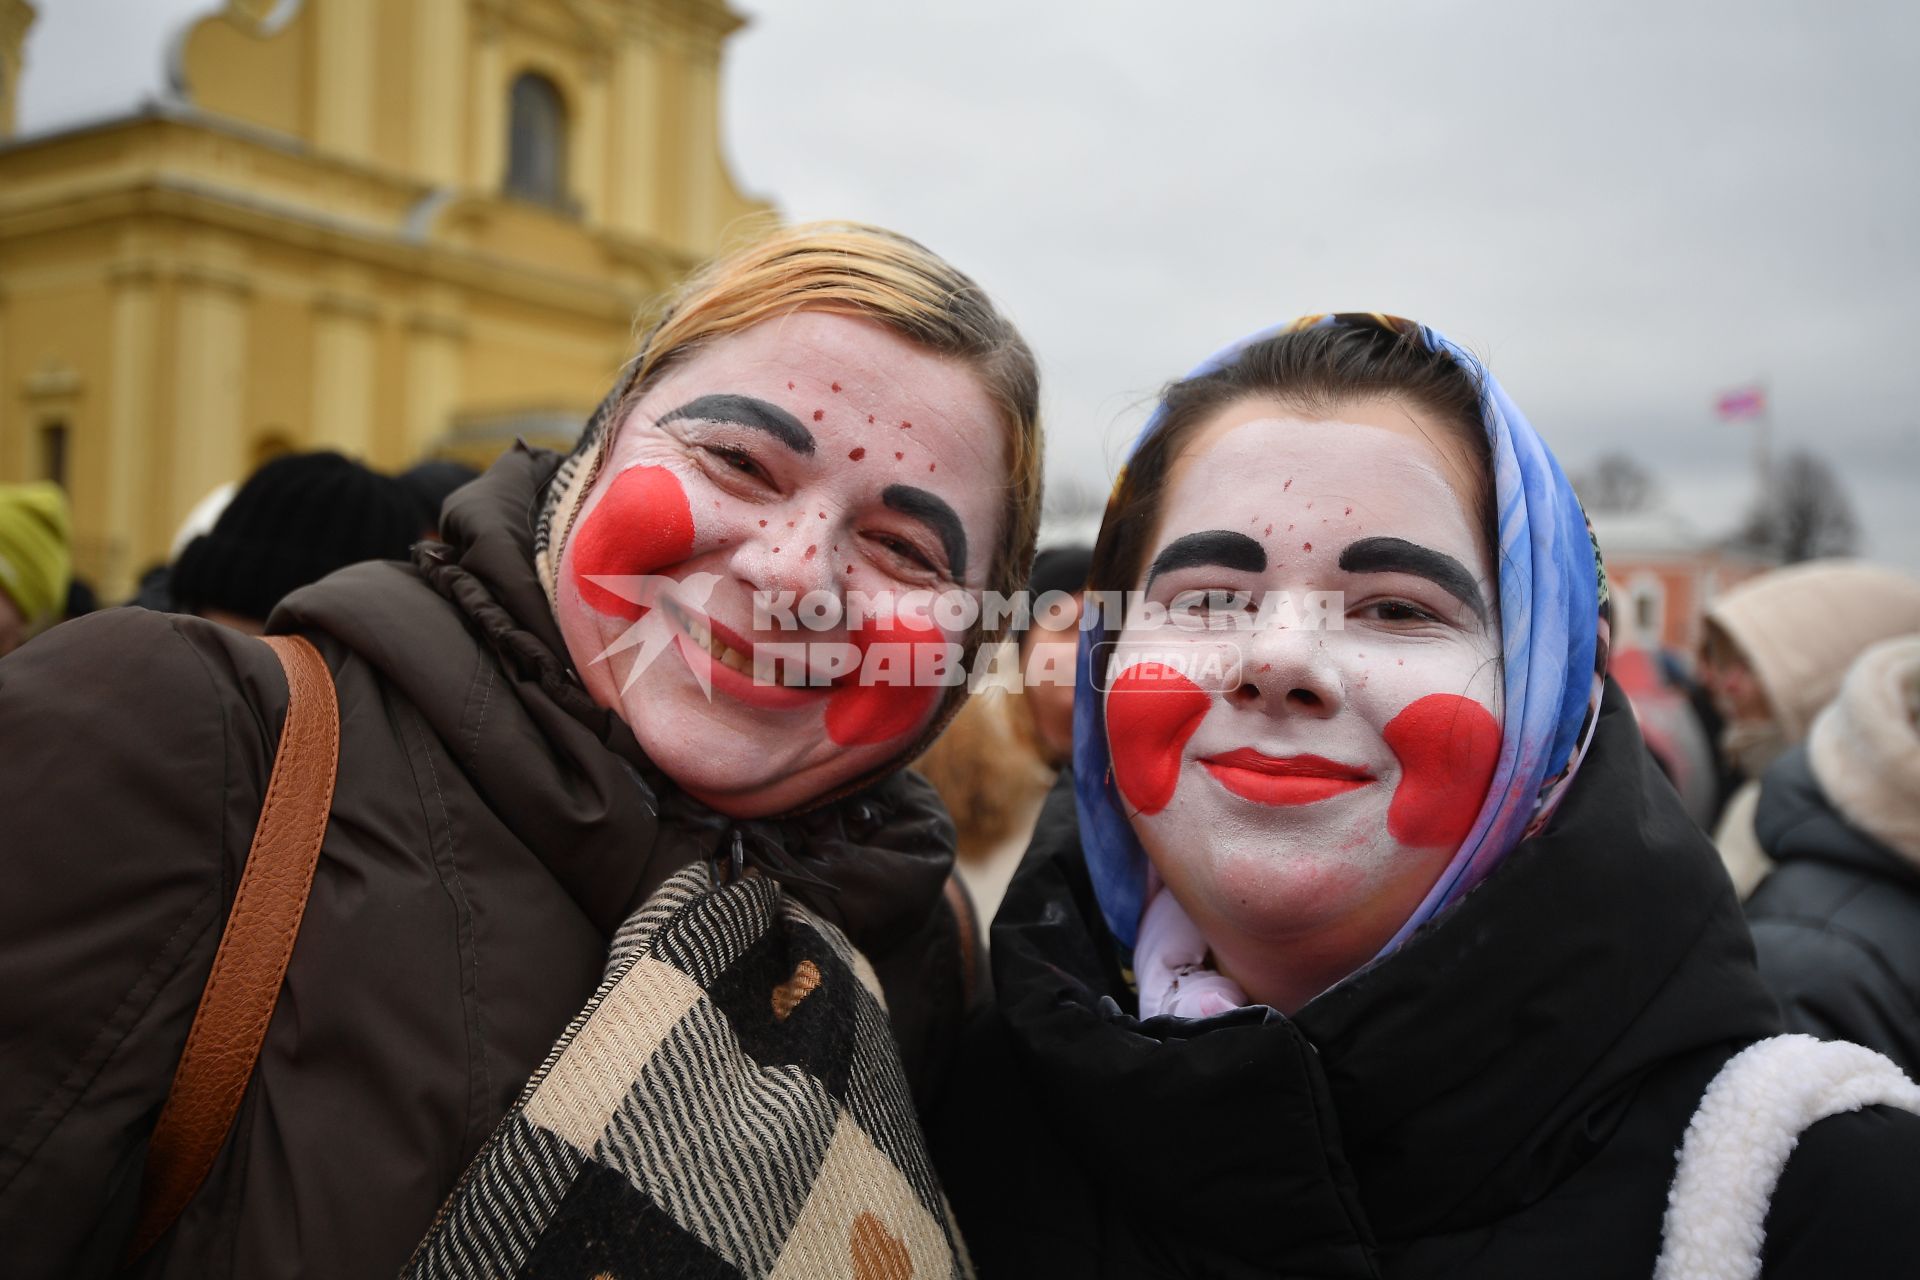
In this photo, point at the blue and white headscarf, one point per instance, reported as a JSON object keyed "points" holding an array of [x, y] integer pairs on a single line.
{"points": [[1554, 637]]}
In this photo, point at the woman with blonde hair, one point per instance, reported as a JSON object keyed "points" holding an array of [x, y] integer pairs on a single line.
{"points": [[542, 719]]}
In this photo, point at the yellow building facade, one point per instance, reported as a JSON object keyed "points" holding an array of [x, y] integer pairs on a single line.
{"points": [[395, 230]]}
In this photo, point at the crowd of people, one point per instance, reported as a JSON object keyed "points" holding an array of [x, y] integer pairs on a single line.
{"points": [[242, 550], [1304, 899]]}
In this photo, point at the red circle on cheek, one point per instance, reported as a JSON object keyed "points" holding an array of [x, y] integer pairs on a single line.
{"points": [[1151, 712], [887, 702], [1447, 746], [642, 523]]}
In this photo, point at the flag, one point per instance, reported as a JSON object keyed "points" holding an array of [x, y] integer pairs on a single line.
{"points": [[1741, 403]]}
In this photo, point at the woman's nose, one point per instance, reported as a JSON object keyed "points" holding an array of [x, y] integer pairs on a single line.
{"points": [[1289, 669], [780, 559]]}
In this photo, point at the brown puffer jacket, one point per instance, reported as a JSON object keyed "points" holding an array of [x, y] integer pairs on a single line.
{"points": [[490, 830]]}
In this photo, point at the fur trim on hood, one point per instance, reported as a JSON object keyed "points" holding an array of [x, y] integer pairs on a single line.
{"points": [[1801, 627], [1865, 747]]}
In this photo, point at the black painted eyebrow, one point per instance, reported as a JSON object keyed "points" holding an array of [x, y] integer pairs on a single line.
{"points": [[746, 411], [1397, 555], [932, 511], [1221, 547]]}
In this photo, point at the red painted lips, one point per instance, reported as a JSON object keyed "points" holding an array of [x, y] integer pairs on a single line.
{"points": [[1284, 780]]}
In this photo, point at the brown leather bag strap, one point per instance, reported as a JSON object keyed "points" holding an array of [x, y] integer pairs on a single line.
{"points": [[244, 985]]}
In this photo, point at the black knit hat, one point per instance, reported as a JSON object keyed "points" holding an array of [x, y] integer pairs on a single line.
{"points": [[294, 521], [1061, 569], [1057, 569], [432, 483]]}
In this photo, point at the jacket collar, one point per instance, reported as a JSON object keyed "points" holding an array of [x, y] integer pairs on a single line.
{"points": [[1796, 822]]}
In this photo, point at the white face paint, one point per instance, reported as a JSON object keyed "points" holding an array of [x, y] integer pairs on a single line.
{"points": [[1309, 777], [810, 453]]}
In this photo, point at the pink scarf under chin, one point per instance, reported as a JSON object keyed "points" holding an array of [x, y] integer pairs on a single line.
{"points": [[1170, 963]]}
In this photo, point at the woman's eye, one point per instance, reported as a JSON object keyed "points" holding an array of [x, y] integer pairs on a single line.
{"points": [[1400, 611], [1225, 601], [1210, 601], [737, 460], [905, 550]]}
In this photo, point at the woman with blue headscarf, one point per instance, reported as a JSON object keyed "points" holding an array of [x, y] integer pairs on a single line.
{"points": [[1364, 937]]}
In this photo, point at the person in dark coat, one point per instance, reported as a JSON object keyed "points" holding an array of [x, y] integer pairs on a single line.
{"points": [[1364, 937], [430, 484], [504, 800], [297, 518], [1837, 923]]}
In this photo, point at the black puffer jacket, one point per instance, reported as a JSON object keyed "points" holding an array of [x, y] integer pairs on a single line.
{"points": [[1837, 924], [1503, 1097], [491, 828]]}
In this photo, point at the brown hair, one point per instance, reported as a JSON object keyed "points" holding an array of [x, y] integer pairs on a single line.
{"points": [[1314, 367], [988, 771]]}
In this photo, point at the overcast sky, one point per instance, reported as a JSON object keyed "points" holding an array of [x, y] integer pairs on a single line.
{"points": [[1627, 208]]}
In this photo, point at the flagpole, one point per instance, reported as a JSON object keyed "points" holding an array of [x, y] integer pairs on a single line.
{"points": [[1763, 439]]}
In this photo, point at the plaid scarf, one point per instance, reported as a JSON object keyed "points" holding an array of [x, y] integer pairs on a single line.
{"points": [[729, 1103]]}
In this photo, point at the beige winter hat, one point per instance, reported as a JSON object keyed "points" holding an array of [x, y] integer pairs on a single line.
{"points": [[1801, 628], [1865, 747]]}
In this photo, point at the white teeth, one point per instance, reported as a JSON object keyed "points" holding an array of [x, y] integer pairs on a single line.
{"points": [[716, 648]]}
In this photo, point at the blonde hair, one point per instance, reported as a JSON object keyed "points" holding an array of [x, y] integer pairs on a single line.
{"points": [[852, 269]]}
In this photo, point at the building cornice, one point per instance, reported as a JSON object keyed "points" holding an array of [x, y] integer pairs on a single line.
{"points": [[221, 209]]}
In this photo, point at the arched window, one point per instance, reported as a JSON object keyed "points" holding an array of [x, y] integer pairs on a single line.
{"points": [[537, 141]]}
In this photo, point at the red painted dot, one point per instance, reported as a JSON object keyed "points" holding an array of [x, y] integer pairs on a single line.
{"points": [[857, 454], [763, 524], [1269, 529], [929, 466], [776, 551], [906, 426], [810, 551], [1266, 666], [1306, 546], [823, 515], [819, 414], [836, 386], [869, 419], [789, 386], [898, 456]]}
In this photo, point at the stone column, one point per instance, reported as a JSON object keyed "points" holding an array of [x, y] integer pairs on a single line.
{"points": [[487, 94], [343, 121], [440, 105], [436, 338], [587, 166], [345, 326], [209, 386], [636, 127], [133, 522]]}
